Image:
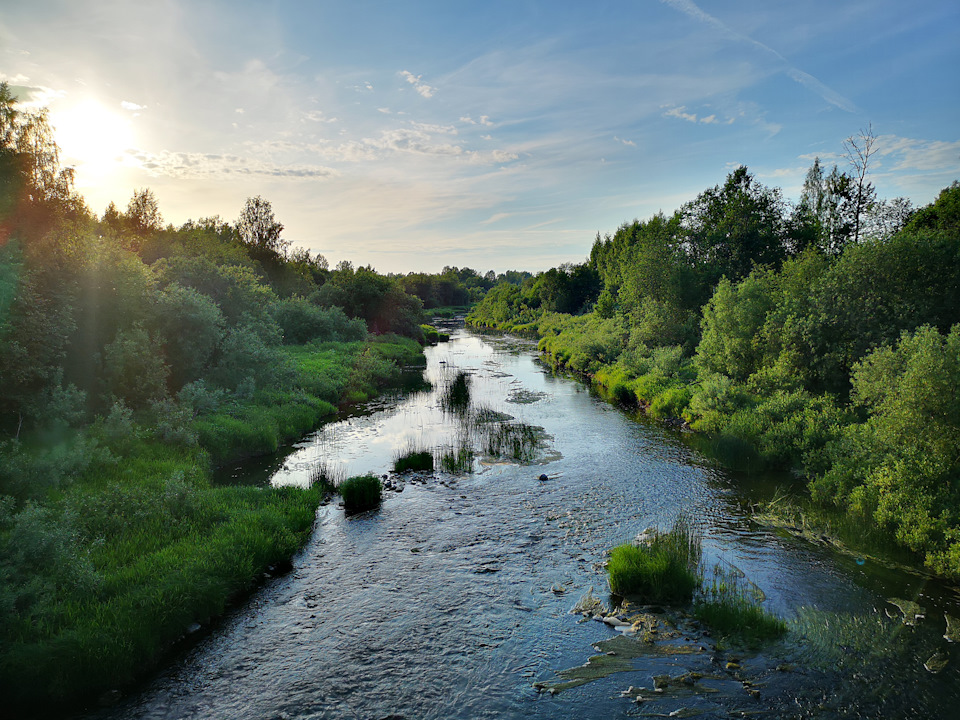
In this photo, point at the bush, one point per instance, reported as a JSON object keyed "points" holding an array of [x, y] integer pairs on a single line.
{"points": [[361, 493]]}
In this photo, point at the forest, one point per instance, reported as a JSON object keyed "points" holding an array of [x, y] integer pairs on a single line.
{"points": [[821, 336], [135, 358]]}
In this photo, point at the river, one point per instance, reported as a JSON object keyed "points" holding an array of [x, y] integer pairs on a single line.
{"points": [[454, 598]]}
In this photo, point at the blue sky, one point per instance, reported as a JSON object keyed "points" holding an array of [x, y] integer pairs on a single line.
{"points": [[493, 135]]}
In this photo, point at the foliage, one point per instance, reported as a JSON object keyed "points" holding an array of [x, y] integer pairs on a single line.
{"points": [[662, 569], [413, 458], [360, 493], [737, 619], [901, 465], [302, 321]]}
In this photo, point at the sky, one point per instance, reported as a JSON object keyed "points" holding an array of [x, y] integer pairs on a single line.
{"points": [[493, 135]]}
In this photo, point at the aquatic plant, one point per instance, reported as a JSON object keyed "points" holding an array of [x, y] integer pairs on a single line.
{"points": [[738, 619], [362, 492], [663, 568], [516, 441], [455, 397], [458, 459], [325, 475], [413, 457]]}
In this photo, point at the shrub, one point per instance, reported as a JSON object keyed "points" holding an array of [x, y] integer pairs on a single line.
{"points": [[671, 402], [361, 493]]}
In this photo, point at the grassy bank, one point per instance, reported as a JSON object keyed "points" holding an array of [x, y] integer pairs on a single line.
{"points": [[884, 451], [113, 541]]}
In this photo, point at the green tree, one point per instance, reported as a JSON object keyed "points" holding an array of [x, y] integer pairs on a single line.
{"points": [[259, 229], [730, 228]]}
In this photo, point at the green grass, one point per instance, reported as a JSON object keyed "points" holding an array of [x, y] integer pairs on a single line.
{"points": [[455, 460], [739, 620], [413, 458], [455, 396], [665, 569], [361, 493], [100, 581], [432, 336], [129, 544]]}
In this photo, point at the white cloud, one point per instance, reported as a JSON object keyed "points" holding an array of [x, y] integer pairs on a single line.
{"points": [[484, 120], [441, 129], [318, 116], [919, 155], [630, 143], [421, 87], [205, 165], [678, 112], [133, 107], [711, 119]]}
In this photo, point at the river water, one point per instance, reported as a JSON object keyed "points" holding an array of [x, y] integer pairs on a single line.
{"points": [[454, 598]]}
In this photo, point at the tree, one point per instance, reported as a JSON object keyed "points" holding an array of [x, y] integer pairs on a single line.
{"points": [[826, 202], [143, 213], [730, 228], [260, 230], [858, 149]]}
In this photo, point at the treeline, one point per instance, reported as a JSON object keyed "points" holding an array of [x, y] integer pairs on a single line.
{"points": [[134, 356], [821, 336]]}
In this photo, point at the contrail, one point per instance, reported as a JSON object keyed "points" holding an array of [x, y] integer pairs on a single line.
{"points": [[807, 80]]}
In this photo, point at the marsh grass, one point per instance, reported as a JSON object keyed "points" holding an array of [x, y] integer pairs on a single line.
{"points": [[513, 440], [362, 492], [663, 569], [326, 476], [455, 394], [731, 606], [414, 457], [455, 460]]}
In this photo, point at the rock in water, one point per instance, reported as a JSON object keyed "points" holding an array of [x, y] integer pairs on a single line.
{"points": [[911, 610], [937, 662], [953, 628]]}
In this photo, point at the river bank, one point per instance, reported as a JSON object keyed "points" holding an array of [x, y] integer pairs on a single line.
{"points": [[130, 546], [458, 597]]}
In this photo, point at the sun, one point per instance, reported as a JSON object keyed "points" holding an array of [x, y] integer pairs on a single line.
{"points": [[92, 138]]}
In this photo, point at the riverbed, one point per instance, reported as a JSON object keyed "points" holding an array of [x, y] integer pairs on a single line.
{"points": [[454, 598]]}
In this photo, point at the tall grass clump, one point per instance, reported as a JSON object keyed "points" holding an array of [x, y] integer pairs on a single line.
{"points": [[730, 605], [663, 568], [413, 457], [516, 441], [360, 493], [455, 398], [326, 476], [455, 460]]}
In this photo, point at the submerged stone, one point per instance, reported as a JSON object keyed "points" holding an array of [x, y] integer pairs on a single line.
{"points": [[953, 628], [615, 656], [911, 610], [936, 662]]}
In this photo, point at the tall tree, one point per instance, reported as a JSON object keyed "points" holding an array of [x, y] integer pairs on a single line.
{"points": [[260, 230], [859, 149], [143, 213], [730, 228]]}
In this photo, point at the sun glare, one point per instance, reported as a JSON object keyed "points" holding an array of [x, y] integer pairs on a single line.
{"points": [[92, 138]]}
